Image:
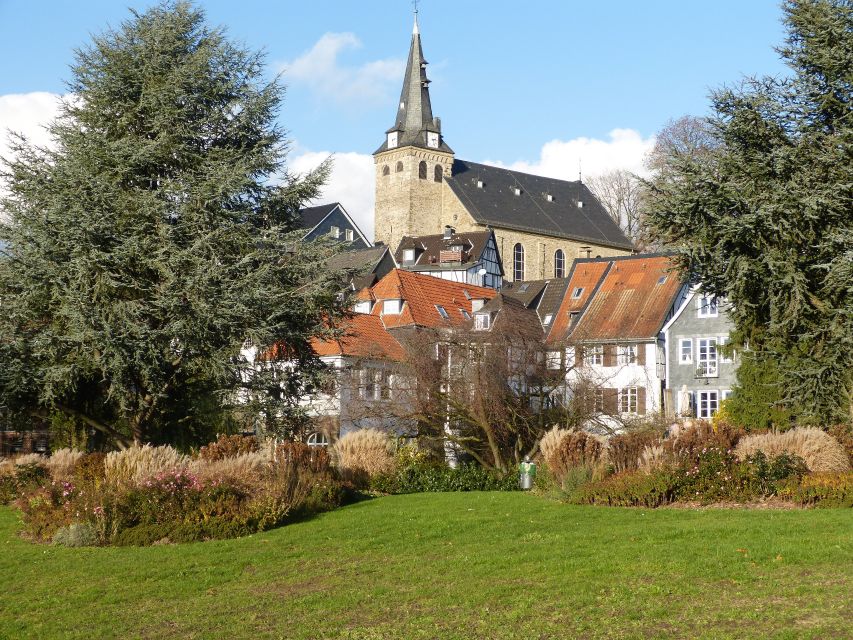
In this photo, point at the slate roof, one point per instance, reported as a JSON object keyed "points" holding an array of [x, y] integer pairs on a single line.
{"points": [[364, 336], [312, 216], [549, 302], [496, 204], [527, 292], [364, 261], [422, 294], [428, 250], [631, 301]]}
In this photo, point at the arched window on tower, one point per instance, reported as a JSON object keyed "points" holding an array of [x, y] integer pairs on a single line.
{"points": [[439, 173], [422, 170], [518, 262], [386, 170], [559, 263], [399, 166]]}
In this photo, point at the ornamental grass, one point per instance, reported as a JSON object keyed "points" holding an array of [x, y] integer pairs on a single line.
{"points": [[134, 465], [63, 462], [363, 454], [821, 452]]}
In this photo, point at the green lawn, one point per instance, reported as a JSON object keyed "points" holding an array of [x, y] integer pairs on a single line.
{"points": [[477, 565]]}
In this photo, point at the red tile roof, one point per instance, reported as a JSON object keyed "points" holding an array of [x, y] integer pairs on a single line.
{"points": [[584, 276], [365, 337], [631, 302], [421, 295]]}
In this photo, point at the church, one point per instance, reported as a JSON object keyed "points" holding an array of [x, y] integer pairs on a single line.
{"points": [[540, 224]]}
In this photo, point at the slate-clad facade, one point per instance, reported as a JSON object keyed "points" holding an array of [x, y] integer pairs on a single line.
{"points": [[332, 221]]}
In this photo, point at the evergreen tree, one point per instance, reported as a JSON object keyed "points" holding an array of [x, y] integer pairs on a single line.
{"points": [[150, 242], [765, 217]]}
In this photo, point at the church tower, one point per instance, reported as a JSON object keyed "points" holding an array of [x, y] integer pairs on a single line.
{"points": [[413, 160]]}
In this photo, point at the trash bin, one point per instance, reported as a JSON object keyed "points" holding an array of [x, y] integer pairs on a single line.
{"points": [[526, 474]]}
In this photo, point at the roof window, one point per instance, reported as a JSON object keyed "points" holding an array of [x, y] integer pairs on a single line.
{"points": [[524, 287], [516, 190], [549, 197], [662, 279], [580, 204], [442, 312], [548, 318], [480, 184], [577, 293]]}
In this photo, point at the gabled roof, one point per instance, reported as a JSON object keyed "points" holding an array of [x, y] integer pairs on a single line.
{"points": [[364, 261], [422, 294], [428, 250], [496, 203], [364, 336], [312, 217], [510, 314], [583, 279], [632, 300], [528, 292]]}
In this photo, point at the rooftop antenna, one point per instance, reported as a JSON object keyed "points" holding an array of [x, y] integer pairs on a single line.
{"points": [[580, 175], [415, 5]]}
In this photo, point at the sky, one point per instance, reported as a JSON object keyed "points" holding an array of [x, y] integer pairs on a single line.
{"points": [[539, 86]]}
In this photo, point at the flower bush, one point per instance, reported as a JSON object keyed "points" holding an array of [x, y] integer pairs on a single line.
{"points": [[821, 490]]}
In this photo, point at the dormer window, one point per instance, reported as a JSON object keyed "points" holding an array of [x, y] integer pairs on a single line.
{"points": [[392, 307], [482, 321], [392, 139], [408, 255], [432, 139], [456, 247], [363, 306], [549, 197], [580, 204], [348, 234], [480, 184], [516, 190], [335, 232]]}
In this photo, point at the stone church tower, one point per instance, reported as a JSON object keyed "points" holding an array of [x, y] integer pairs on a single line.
{"points": [[412, 162]]}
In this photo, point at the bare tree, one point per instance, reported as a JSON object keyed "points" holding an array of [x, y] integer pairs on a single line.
{"points": [[684, 136], [621, 194]]}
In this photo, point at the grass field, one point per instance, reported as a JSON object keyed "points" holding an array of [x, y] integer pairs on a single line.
{"points": [[477, 565]]}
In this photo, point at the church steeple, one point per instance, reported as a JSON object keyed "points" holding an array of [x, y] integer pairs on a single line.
{"points": [[415, 125]]}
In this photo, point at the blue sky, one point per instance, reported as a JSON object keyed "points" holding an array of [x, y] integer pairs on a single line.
{"points": [[536, 85]]}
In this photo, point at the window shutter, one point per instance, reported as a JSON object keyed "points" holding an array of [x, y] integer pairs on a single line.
{"points": [[610, 355], [641, 354], [611, 400], [641, 401], [578, 356]]}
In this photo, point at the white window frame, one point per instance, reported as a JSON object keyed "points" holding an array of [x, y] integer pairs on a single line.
{"points": [[707, 306], [626, 354], [628, 400], [725, 394], [594, 355], [317, 439], [348, 235], [577, 293], [335, 232], [706, 365], [408, 255], [721, 341], [442, 312], [482, 321], [547, 319], [392, 307], [707, 403], [554, 360], [362, 306], [685, 342]]}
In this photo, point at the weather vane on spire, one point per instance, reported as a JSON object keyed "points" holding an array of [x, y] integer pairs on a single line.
{"points": [[415, 5]]}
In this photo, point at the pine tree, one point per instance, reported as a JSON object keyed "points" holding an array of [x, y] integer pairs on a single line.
{"points": [[765, 218], [150, 243]]}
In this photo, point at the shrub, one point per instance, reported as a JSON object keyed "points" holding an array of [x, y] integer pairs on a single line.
{"points": [[425, 477], [229, 447], [630, 490], [46, 509], [62, 463], [700, 435], [363, 454], [821, 490], [821, 452], [576, 449], [625, 451], [90, 472], [551, 441], [18, 480], [130, 467], [77, 534]]}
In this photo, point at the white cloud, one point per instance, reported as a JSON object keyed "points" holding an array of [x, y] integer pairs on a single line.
{"points": [[625, 149], [26, 113], [321, 71], [351, 183]]}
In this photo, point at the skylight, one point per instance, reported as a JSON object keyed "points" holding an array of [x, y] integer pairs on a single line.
{"points": [[442, 312], [548, 318], [577, 293]]}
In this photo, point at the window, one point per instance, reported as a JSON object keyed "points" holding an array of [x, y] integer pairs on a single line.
{"points": [[516, 190], [482, 321], [335, 232], [375, 384], [725, 394], [386, 170], [422, 170], [685, 351], [549, 197], [577, 293], [707, 306], [399, 168], [442, 312], [465, 314], [628, 400], [598, 400], [518, 262], [708, 404], [584, 252], [317, 439], [627, 354], [555, 359], [662, 279], [559, 263], [548, 318], [408, 255], [594, 354], [362, 306], [438, 173], [707, 360], [392, 307], [348, 234]]}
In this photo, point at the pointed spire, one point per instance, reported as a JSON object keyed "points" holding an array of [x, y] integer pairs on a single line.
{"points": [[415, 125]]}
